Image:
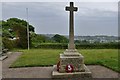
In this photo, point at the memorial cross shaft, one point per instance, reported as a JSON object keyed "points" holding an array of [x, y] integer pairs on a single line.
{"points": [[71, 25]]}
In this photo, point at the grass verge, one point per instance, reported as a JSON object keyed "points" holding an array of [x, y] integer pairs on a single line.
{"points": [[49, 57]]}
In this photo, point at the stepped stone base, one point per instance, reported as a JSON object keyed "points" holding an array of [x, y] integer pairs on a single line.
{"points": [[85, 74], [74, 58]]}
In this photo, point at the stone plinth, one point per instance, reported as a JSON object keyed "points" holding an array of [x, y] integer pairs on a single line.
{"points": [[74, 58], [75, 75], [71, 57]]}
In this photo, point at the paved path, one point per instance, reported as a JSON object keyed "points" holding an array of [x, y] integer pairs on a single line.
{"points": [[0, 70], [45, 72]]}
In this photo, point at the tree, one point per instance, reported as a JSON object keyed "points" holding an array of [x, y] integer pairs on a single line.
{"points": [[85, 41], [12, 21], [37, 38], [77, 41], [60, 39], [21, 35], [16, 28]]}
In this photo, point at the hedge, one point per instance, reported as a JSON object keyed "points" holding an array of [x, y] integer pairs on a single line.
{"points": [[52, 45], [79, 46]]}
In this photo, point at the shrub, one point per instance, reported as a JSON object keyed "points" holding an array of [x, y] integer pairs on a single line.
{"points": [[8, 43]]}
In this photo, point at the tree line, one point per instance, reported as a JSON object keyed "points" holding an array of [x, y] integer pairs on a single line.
{"points": [[14, 35]]}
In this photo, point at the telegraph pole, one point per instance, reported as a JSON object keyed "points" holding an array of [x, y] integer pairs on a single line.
{"points": [[27, 29]]}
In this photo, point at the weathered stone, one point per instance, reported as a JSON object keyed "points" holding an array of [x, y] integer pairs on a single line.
{"points": [[71, 25], [76, 60], [75, 75], [71, 52]]}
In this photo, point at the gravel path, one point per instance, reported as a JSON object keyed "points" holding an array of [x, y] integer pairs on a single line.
{"points": [[45, 72]]}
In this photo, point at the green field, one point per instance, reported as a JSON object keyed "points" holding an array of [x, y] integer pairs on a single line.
{"points": [[49, 57]]}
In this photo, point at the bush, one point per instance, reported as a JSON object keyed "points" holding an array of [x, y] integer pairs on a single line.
{"points": [[8, 43]]}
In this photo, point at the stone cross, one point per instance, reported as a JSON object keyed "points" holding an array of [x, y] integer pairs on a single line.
{"points": [[71, 25]]}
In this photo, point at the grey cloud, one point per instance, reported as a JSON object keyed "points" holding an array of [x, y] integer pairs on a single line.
{"points": [[51, 17]]}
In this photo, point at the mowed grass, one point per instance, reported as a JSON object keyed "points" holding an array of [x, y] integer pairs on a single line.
{"points": [[49, 57], [104, 57], [37, 57]]}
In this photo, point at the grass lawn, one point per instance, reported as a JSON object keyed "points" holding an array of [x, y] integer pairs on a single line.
{"points": [[49, 57]]}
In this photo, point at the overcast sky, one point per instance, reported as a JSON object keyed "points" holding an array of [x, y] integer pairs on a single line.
{"points": [[92, 18]]}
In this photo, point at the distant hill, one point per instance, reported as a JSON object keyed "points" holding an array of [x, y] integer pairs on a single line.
{"points": [[91, 39]]}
